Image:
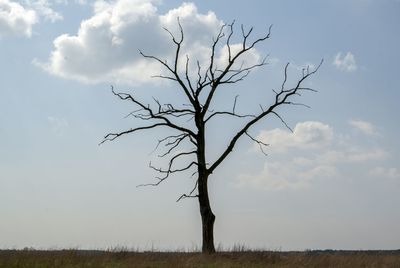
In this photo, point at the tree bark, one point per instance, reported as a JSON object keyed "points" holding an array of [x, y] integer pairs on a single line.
{"points": [[207, 217]]}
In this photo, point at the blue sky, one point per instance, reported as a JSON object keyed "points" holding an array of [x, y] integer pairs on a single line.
{"points": [[332, 183]]}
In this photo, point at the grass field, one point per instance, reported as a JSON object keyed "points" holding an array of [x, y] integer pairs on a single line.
{"points": [[125, 259]]}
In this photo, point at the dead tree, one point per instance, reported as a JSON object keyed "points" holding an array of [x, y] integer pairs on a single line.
{"points": [[190, 120]]}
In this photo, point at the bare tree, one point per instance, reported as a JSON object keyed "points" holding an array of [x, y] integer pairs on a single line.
{"points": [[190, 120]]}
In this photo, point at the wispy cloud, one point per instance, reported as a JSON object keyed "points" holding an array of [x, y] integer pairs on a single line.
{"points": [[303, 67], [365, 127], [312, 152], [345, 63], [385, 172], [58, 125], [66, 2], [282, 175]]}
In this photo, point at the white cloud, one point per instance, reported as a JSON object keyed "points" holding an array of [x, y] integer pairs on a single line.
{"points": [[303, 67], [16, 20], [365, 127], [383, 172], [305, 135], [346, 63], [301, 172], [105, 48], [312, 152], [43, 9], [363, 156], [286, 175], [223, 57], [350, 155], [58, 125], [80, 2], [273, 61]]}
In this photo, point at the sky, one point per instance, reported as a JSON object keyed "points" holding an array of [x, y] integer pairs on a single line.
{"points": [[332, 183]]}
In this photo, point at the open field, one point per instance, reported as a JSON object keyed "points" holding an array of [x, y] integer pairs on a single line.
{"points": [[125, 259]]}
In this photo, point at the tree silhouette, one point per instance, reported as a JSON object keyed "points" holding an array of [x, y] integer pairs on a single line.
{"points": [[190, 120]]}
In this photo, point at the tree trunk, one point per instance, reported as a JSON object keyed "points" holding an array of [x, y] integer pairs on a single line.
{"points": [[207, 217]]}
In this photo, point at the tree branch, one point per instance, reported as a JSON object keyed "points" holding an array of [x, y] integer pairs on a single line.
{"points": [[190, 195], [216, 81], [260, 143], [113, 136], [167, 172], [281, 98], [151, 115], [189, 93]]}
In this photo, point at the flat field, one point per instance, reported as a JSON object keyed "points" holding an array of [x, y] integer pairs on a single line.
{"points": [[126, 259]]}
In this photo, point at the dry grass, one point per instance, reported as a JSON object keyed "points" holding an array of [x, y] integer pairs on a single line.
{"points": [[126, 259]]}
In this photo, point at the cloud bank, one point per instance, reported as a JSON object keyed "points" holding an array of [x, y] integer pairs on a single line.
{"points": [[364, 127], [315, 152], [105, 48]]}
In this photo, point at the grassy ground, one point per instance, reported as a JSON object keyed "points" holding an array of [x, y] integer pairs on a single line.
{"points": [[124, 259]]}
